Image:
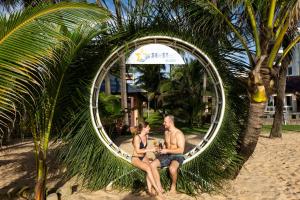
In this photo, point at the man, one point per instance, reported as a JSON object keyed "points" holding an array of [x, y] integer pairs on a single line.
{"points": [[171, 155]]}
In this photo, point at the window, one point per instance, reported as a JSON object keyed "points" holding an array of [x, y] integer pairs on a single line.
{"points": [[290, 70], [288, 100], [275, 100], [270, 102]]}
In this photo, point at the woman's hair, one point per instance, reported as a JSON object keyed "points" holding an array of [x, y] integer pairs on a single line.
{"points": [[141, 126]]}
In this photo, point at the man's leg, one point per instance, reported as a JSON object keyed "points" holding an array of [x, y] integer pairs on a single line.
{"points": [[154, 165], [173, 169]]}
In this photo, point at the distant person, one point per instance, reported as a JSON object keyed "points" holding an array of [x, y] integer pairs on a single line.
{"points": [[139, 158], [171, 155]]}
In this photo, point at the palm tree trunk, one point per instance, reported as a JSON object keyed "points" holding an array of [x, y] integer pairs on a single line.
{"points": [[118, 8], [107, 84], [281, 84], [277, 123], [123, 90], [250, 137], [98, 3], [259, 82], [40, 193], [204, 99]]}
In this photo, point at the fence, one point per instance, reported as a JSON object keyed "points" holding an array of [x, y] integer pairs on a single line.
{"points": [[288, 118]]}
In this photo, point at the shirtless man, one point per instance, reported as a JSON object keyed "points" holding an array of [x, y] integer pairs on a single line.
{"points": [[171, 155]]}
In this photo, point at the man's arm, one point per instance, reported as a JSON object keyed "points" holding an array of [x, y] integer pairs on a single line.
{"points": [[165, 146]]}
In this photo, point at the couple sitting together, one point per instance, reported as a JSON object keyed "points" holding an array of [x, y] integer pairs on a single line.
{"points": [[170, 155]]}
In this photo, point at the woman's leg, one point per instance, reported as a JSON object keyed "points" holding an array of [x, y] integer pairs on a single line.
{"points": [[146, 167], [149, 185], [154, 165]]}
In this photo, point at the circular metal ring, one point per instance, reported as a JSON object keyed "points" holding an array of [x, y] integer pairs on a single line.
{"points": [[171, 42]]}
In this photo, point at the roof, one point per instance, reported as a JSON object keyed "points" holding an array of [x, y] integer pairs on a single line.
{"points": [[115, 86], [292, 84]]}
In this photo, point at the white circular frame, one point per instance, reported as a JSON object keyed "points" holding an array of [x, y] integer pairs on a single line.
{"points": [[171, 42]]}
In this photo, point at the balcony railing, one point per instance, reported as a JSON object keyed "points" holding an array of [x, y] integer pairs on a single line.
{"points": [[285, 109]]}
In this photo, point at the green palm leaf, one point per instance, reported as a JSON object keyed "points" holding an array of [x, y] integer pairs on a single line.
{"points": [[30, 40], [87, 157], [84, 155]]}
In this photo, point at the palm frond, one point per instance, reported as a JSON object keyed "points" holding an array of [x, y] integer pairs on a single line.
{"points": [[95, 164], [225, 15], [294, 13], [84, 155], [29, 40]]}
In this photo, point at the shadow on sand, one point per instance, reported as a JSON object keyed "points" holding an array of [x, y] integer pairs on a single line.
{"points": [[19, 160]]}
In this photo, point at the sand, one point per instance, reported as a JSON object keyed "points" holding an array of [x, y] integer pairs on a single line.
{"points": [[273, 172]]}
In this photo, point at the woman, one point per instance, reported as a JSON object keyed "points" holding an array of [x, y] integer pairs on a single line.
{"points": [[139, 158]]}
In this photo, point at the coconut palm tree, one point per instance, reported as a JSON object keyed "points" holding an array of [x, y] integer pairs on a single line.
{"points": [[257, 27], [280, 90], [86, 156], [36, 74], [150, 79], [280, 84], [52, 98], [36, 47], [110, 113], [184, 83]]}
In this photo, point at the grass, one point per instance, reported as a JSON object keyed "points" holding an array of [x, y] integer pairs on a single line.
{"points": [[295, 128]]}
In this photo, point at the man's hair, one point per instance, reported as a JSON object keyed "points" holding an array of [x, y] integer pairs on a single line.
{"points": [[171, 117]]}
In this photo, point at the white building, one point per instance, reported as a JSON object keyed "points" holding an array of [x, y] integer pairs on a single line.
{"points": [[292, 94], [294, 67]]}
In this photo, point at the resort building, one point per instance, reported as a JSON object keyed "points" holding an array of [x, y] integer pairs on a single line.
{"points": [[294, 67], [292, 94], [135, 98]]}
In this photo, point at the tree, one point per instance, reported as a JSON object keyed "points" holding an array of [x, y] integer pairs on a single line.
{"points": [[36, 44], [150, 79], [280, 90], [86, 156], [280, 87], [110, 113], [262, 24], [184, 83]]}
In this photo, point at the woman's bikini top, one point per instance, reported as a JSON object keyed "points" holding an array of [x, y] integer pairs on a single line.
{"points": [[142, 146]]}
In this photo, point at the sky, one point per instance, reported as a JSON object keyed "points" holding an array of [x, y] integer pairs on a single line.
{"points": [[108, 2]]}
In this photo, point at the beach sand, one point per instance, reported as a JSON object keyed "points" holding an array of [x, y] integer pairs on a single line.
{"points": [[273, 172]]}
